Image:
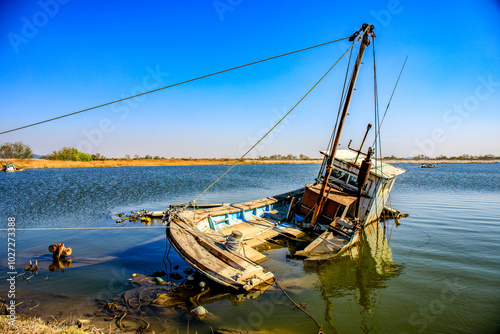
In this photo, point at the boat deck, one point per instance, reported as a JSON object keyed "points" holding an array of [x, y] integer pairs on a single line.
{"points": [[213, 260], [257, 231]]}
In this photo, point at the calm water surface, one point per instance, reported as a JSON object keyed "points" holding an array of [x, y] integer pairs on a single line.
{"points": [[441, 273]]}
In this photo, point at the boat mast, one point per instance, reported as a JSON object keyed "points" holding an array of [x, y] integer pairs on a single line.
{"points": [[366, 30]]}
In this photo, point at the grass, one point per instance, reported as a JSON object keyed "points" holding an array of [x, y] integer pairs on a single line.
{"points": [[26, 325], [43, 163]]}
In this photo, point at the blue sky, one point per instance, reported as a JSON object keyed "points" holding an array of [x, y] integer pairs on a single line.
{"points": [[62, 56]]}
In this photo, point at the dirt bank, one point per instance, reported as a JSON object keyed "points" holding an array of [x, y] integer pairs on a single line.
{"points": [[42, 163]]}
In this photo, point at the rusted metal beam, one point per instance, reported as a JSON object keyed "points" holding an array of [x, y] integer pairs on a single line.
{"points": [[367, 29]]}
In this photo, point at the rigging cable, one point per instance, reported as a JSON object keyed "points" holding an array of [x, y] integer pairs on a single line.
{"points": [[393, 90], [341, 103], [377, 141], [268, 132], [173, 85]]}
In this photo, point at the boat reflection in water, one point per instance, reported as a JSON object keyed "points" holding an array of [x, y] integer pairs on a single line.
{"points": [[366, 269]]}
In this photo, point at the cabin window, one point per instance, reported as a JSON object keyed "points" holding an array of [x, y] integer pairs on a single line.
{"points": [[337, 173], [347, 179], [344, 177], [353, 181]]}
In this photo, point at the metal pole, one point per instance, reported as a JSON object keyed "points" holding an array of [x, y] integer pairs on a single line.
{"points": [[331, 158]]}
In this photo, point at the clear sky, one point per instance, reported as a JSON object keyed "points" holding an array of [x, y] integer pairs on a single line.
{"points": [[61, 56]]}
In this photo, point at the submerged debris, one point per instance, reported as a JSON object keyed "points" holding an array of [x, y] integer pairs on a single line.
{"points": [[175, 276], [199, 312], [59, 251], [143, 215], [159, 273]]}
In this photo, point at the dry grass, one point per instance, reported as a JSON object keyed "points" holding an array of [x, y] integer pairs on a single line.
{"points": [[37, 325], [42, 163]]}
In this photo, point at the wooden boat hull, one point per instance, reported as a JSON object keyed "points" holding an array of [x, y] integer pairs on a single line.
{"points": [[198, 236], [209, 257]]}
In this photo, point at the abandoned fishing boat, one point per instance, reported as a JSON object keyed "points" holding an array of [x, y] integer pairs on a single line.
{"points": [[344, 203], [11, 168]]}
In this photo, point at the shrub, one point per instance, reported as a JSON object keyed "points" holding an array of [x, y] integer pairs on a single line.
{"points": [[69, 153]]}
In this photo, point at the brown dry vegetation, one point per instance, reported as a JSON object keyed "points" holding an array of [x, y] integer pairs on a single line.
{"points": [[27, 325], [43, 163]]}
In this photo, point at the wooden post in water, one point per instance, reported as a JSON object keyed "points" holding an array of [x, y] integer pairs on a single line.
{"points": [[367, 29]]}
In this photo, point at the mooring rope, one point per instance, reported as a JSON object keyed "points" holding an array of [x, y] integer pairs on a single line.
{"points": [[84, 228], [173, 85], [299, 307]]}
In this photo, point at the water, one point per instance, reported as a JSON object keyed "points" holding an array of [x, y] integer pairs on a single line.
{"points": [[443, 276]]}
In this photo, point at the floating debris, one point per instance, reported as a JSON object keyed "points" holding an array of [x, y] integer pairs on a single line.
{"points": [[58, 251], [83, 323], [199, 312], [188, 271], [159, 273], [142, 215], [110, 306], [175, 276]]}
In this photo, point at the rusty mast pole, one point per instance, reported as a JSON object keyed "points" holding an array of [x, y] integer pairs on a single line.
{"points": [[367, 29]]}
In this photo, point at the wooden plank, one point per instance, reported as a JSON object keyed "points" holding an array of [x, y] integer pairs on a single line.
{"points": [[250, 273], [253, 255], [289, 229], [261, 279], [222, 254]]}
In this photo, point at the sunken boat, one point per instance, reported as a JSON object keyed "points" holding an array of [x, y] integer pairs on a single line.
{"points": [[329, 216]]}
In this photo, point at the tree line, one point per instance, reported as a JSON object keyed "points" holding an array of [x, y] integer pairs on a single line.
{"points": [[19, 150], [284, 157], [444, 157]]}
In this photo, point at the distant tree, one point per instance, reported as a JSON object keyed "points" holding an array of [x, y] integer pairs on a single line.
{"points": [[17, 150], [127, 156], [69, 153], [487, 157], [148, 157], [98, 156], [303, 157], [421, 156], [392, 157], [136, 156], [441, 157]]}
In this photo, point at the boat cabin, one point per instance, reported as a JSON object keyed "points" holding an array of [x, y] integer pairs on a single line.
{"points": [[342, 189]]}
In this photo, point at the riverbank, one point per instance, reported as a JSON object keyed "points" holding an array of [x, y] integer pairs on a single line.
{"points": [[43, 163]]}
